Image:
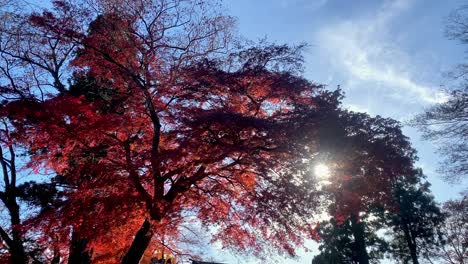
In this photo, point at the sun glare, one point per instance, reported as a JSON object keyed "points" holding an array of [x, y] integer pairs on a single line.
{"points": [[321, 171]]}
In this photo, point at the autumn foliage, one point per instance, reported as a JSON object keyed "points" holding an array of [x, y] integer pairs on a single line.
{"points": [[156, 128], [147, 116]]}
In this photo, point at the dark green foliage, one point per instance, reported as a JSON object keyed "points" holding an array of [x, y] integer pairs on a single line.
{"points": [[37, 194], [338, 244], [417, 219], [107, 100]]}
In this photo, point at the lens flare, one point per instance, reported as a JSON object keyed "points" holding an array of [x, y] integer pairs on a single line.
{"points": [[321, 171]]}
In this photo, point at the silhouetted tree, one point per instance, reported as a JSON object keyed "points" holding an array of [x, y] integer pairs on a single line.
{"points": [[453, 245], [446, 123], [416, 220], [11, 235], [338, 245], [367, 155]]}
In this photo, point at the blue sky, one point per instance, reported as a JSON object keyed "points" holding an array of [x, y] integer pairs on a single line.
{"points": [[388, 56]]}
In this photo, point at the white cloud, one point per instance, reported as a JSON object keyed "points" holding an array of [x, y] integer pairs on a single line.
{"points": [[365, 49], [358, 108]]}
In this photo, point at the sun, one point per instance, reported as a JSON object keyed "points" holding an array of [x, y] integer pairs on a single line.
{"points": [[321, 171]]}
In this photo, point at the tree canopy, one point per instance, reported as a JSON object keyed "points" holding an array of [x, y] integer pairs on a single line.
{"points": [[149, 118]]}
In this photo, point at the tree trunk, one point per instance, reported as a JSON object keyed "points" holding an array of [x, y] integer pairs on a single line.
{"points": [[18, 255], [8, 197], [78, 251], [17, 249], [411, 245], [56, 258], [359, 240], [139, 244]]}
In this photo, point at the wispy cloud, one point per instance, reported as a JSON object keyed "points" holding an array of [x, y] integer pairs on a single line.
{"points": [[365, 49]]}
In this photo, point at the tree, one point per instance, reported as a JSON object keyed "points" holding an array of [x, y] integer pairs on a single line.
{"points": [[416, 220], [453, 247], [160, 123], [11, 237], [447, 123], [375, 186], [366, 156], [338, 243], [455, 29]]}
